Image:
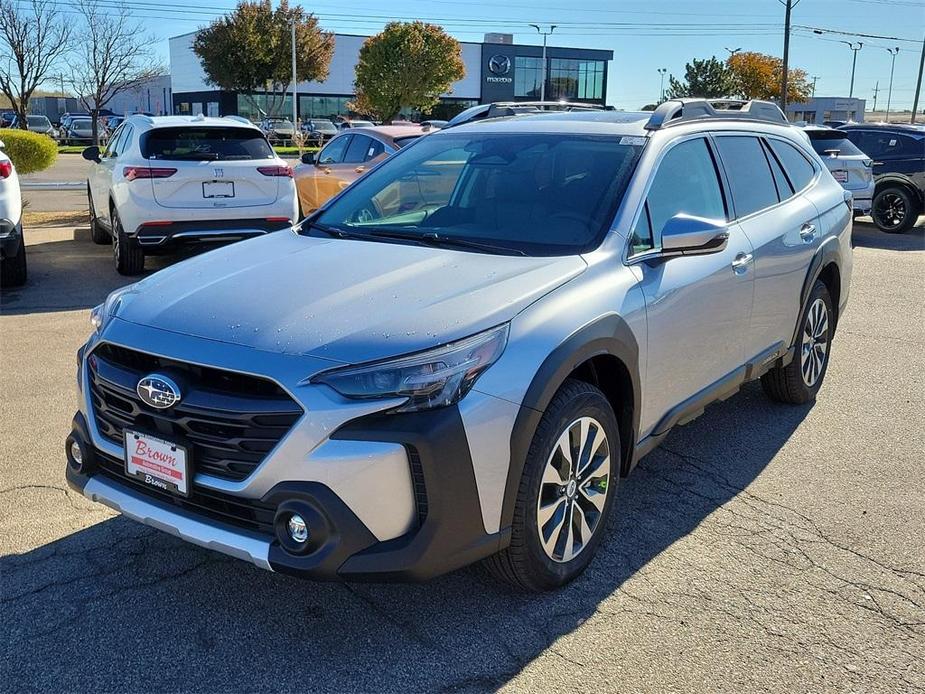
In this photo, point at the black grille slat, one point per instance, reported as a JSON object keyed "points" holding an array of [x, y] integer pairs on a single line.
{"points": [[231, 422], [244, 513]]}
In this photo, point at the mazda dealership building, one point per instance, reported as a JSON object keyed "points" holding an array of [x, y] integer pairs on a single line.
{"points": [[496, 70]]}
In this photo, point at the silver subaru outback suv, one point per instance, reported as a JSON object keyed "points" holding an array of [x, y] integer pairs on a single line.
{"points": [[460, 356]]}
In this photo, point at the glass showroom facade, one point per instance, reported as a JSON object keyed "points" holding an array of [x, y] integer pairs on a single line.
{"points": [[569, 79]]}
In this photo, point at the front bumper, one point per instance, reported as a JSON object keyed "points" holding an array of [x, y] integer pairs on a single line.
{"points": [[386, 497]]}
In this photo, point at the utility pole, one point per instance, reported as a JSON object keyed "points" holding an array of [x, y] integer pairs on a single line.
{"points": [[918, 83], [889, 94], [854, 61], [661, 84], [815, 79], [552, 28], [789, 5], [876, 91], [295, 91]]}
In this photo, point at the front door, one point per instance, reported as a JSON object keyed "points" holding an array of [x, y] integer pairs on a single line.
{"points": [[698, 306]]}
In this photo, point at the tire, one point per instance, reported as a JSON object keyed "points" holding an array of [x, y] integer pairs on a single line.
{"points": [[127, 255], [799, 381], [894, 210], [13, 271], [98, 234], [528, 563]]}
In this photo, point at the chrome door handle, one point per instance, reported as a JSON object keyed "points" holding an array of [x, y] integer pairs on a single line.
{"points": [[741, 261], [807, 232]]}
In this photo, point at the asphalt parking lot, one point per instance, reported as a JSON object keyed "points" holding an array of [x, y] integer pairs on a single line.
{"points": [[764, 546]]}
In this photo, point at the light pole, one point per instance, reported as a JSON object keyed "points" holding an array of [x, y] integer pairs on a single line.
{"points": [[552, 28], [661, 84], [854, 62], [889, 93], [295, 112], [733, 51]]}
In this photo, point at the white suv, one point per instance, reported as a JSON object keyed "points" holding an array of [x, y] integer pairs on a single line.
{"points": [[12, 244], [163, 182]]}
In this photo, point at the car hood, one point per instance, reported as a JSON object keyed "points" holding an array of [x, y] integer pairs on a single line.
{"points": [[346, 300]]}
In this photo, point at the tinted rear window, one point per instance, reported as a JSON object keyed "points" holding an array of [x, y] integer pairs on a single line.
{"points": [[825, 144], [209, 144], [748, 173]]}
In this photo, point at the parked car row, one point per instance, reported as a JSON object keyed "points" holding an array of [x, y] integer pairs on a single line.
{"points": [[882, 165]]}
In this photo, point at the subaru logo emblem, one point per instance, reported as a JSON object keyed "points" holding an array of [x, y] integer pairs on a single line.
{"points": [[158, 391], [499, 64]]}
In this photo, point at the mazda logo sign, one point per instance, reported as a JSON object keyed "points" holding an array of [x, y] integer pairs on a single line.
{"points": [[499, 64], [158, 391]]}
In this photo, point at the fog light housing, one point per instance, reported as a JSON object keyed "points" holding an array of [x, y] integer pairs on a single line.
{"points": [[297, 528], [76, 454]]}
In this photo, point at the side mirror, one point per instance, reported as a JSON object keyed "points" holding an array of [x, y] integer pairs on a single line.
{"points": [[685, 234], [91, 154], [309, 157]]}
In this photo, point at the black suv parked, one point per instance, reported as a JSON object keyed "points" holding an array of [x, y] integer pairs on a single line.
{"points": [[898, 152]]}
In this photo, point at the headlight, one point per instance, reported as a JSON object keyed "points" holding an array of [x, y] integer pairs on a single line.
{"points": [[100, 315], [434, 378]]}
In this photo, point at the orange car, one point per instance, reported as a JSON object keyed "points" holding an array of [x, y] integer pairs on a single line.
{"points": [[346, 158]]}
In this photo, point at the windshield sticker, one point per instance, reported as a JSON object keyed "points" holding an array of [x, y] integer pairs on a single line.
{"points": [[636, 140]]}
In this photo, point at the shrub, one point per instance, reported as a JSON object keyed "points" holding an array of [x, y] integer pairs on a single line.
{"points": [[29, 152]]}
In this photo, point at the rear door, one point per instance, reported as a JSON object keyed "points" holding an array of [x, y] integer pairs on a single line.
{"points": [[316, 184], [782, 225], [697, 306], [101, 173], [214, 167]]}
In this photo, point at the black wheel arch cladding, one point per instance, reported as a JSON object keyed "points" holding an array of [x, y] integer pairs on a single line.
{"points": [[608, 336]]}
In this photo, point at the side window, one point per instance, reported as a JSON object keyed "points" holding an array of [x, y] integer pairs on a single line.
{"points": [[686, 182], [356, 150], [642, 232], [112, 147], [799, 170], [784, 189], [374, 150], [334, 152], [748, 173], [125, 140]]}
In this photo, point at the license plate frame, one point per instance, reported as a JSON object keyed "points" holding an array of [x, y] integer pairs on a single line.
{"points": [[217, 189], [161, 464]]}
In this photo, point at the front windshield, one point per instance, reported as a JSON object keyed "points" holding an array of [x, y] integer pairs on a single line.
{"points": [[534, 194]]}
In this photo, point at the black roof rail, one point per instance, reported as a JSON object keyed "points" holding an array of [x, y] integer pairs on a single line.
{"points": [[676, 111]]}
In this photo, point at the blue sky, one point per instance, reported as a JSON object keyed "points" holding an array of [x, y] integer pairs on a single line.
{"points": [[644, 35]]}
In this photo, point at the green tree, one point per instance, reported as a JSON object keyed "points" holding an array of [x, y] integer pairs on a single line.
{"points": [[707, 79], [408, 64], [250, 50]]}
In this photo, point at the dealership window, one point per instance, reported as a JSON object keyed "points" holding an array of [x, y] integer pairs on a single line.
{"points": [[256, 107], [528, 76], [575, 79]]}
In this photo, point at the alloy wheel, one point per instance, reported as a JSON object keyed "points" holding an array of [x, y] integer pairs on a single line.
{"points": [[815, 342], [891, 210], [573, 491]]}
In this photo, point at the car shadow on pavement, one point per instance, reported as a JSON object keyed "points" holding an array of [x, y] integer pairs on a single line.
{"points": [[868, 236], [119, 606], [69, 275]]}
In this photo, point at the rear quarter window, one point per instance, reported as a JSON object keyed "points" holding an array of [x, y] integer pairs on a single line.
{"points": [[798, 169], [212, 144]]}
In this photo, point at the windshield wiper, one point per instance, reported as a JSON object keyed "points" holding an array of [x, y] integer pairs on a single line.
{"points": [[332, 231], [433, 239]]}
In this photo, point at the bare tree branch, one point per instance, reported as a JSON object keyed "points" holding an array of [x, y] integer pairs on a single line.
{"points": [[33, 38], [112, 55]]}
